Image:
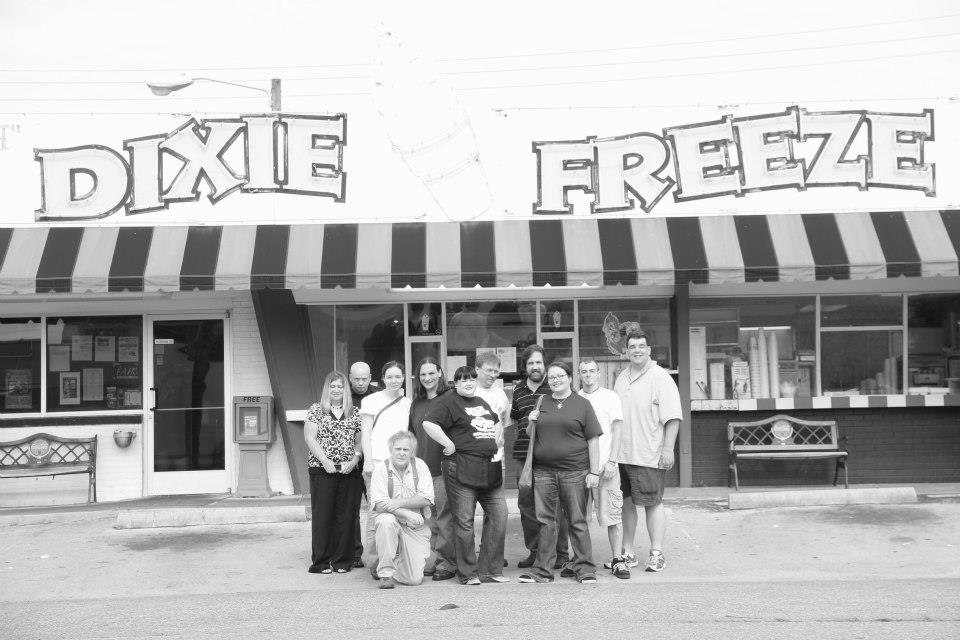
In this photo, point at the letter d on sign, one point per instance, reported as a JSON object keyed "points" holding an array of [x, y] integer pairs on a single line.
{"points": [[60, 197]]}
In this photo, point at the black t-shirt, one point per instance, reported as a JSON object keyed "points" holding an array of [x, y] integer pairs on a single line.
{"points": [[469, 422], [428, 449], [562, 433], [357, 398]]}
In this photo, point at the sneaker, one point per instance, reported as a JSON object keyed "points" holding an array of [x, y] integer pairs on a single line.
{"points": [[497, 579], [527, 562], [443, 574], [471, 581], [387, 583], [429, 570], [587, 578], [618, 567], [657, 562], [567, 572], [529, 577], [561, 562], [631, 559]]}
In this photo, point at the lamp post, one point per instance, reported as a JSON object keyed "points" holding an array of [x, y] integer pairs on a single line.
{"points": [[166, 88]]}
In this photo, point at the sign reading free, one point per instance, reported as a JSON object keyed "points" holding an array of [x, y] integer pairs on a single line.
{"points": [[737, 156], [296, 154]]}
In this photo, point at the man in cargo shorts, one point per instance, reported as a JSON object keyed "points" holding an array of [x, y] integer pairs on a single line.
{"points": [[651, 420]]}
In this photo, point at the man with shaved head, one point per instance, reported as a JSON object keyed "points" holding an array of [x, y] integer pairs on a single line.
{"points": [[359, 388]]}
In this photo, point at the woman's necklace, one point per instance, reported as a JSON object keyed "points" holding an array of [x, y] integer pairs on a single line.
{"points": [[560, 401]]}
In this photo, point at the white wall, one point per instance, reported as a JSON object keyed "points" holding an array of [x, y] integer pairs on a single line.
{"points": [[250, 378]]}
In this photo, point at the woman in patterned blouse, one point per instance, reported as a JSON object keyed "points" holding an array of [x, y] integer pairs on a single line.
{"points": [[332, 433]]}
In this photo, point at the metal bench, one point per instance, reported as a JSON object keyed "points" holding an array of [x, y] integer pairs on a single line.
{"points": [[782, 437], [43, 454]]}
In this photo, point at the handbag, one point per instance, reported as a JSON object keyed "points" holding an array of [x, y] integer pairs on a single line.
{"points": [[525, 481], [478, 472]]}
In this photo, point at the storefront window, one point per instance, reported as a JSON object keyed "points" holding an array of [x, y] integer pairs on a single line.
{"points": [[20, 355], [604, 324], [371, 333], [861, 344], [506, 326], [933, 343], [752, 348], [94, 363]]}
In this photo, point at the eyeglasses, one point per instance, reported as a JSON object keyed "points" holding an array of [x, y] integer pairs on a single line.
{"points": [[557, 378], [642, 347]]}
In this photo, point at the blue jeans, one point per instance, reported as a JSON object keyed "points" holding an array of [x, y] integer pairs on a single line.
{"points": [[462, 502], [531, 527], [441, 528], [557, 494]]}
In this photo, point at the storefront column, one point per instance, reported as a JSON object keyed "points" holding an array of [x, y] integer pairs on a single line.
{"points": [[681, 320]]}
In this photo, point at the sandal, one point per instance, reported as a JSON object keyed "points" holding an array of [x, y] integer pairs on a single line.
{"points": [[326, 570], [342, 570]]}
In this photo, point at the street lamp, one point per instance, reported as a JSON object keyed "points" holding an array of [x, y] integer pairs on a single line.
{"points": [[166, 88]]}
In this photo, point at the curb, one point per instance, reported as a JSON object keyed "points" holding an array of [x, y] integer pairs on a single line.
{"points": [[193, 517], [821, 497]]}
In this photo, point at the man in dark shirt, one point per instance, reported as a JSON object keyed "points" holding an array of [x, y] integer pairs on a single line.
{"points": [[359, 389], [524, 400]]}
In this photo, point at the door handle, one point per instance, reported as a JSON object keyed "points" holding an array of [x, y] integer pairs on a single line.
{"points": [[154, 391]]}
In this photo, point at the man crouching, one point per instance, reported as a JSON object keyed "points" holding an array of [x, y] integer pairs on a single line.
{"points": [[401, 492]]}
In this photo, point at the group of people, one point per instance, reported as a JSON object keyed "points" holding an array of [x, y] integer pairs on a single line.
{"points": [[424, 463]]}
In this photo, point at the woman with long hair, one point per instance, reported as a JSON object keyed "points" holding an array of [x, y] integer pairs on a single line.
{"points": [[332, 434], [429, 384]]}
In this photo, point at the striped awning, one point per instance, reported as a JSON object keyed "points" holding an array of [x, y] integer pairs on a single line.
{"points": [[539, 252]]}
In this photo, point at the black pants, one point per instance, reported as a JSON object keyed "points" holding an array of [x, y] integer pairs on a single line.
{"points": [[335, 505]]}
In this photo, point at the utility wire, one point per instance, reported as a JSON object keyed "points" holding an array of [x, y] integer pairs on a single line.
{"points": [[507, 56]]}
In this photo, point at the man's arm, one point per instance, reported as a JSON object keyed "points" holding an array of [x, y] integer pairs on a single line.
{"points": [[670, 431], [610, 465]]}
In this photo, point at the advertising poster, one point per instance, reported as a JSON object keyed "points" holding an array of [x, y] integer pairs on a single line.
{"points": [[508, 359], [17, 389], [104, 348], [70, 388], [93, 385], [59, 358], [128, 349], [82, 348]]}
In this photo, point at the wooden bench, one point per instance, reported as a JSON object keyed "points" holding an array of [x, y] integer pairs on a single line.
{"points": [[43, 454], [782, 437]]}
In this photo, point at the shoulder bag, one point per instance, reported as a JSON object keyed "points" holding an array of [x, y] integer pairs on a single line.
{"points": [[525, 481]]}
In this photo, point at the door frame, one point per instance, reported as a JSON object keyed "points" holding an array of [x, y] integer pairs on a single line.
{"points": [[229, 480]]}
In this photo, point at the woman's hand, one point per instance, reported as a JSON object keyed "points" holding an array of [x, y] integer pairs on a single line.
{"points": [[348, 466], [534, 415], [367, 466], [328, 466], [450, 449]]}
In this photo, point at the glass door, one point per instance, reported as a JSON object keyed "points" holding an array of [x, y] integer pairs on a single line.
{"points": [[187, 436]]}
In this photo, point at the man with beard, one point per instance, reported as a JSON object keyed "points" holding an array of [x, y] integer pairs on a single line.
{"points": [[524, 400]]}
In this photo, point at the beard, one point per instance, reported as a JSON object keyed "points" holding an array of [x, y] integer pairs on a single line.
{"points": [[536, 376]]}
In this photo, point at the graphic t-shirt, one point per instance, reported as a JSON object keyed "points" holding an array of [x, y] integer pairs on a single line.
{"points": [[469, 422], [562, 433]]}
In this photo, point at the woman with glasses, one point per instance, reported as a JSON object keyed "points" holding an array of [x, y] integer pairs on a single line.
{"points": [[566, 465]]}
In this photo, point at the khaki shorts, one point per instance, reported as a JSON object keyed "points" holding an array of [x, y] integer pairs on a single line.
{"points": [[645, 484], [608, 501]]}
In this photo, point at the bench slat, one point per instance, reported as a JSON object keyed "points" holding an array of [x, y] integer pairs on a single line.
{"points": [[60, 470], [792, 454]]}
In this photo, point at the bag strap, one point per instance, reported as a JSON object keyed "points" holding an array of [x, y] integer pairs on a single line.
{"points": [[528, 462], [380, 413]]}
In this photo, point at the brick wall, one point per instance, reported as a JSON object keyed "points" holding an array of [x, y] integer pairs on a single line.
{"points": [[887, 445], [250, 377]]}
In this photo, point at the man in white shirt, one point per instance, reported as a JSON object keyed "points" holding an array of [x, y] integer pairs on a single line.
{"points": [[401, 493], [488, 370], [607, 497]]}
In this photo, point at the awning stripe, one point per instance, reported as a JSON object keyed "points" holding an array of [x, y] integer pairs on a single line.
{"points": [[408, 262], [130, 259], [339, 262], [200, 259], [689, 256], [443, 254], [863, 249], [373, 262], [937, 256], [478, 262], [304, 256], [616, 251], [91, 273], [794, 256], [547, 252], [756, 247], [581, 238], [897, 242], [234, 264], [59, 258], [19, 272], [722, 248], [512, 246], [826, 245], [269, 256], [951, 222], [654, 254], [166, 259], [5, 235]]}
